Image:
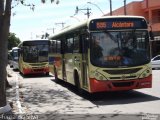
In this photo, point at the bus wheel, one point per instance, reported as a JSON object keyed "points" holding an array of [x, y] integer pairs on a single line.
{"points": [[47, 73], [77, 83]]}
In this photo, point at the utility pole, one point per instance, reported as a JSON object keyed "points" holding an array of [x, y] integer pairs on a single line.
{"points": [[110, 1], [51, 29], [125, 11], [88, 11]]}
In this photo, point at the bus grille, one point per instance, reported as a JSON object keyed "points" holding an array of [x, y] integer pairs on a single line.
{"points": [[38, 64], [124, 71], [38, 70], [127, 77], [123, 84]]}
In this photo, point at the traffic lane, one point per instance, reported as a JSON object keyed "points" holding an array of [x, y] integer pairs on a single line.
{"points": [[113, 98], [130, 102], [145, 100], [42, 94]]}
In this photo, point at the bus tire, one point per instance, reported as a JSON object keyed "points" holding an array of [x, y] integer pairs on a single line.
{"points": [[47, 73], [77, 83]]}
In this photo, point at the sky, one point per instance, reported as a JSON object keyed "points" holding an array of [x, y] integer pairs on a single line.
{"points": [[28, 24]]}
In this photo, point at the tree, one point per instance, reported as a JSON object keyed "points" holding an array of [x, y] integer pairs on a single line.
{"points": [[5, 12], [13, 41], [5, 15]]}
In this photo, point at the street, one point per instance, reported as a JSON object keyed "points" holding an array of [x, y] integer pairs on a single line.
{"points": [[41, 95]]}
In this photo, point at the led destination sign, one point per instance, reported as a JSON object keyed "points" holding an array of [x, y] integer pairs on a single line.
{"points": [[105, 24], [123, 24]]}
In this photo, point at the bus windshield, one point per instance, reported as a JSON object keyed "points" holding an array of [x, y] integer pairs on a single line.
{"points": [[15, 55], [35, 53], [119, 48]]}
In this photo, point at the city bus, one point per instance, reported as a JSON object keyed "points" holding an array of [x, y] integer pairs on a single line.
{"points": [[33, 57], [110, 53], [13, 61]]}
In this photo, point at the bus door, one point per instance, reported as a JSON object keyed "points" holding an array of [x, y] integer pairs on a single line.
{"points": [[68, 60], [84, 50], [55, 58]]}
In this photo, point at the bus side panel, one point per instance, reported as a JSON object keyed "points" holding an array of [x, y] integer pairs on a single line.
{"points": [[51, 63], [20, 64], [56, 65]]}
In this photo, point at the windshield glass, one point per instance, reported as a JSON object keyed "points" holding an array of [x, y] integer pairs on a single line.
{"points": [[35, 53], [120, 48], [15, 55]]}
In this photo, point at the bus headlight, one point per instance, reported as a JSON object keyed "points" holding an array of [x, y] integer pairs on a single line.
{"points": [[99, 76], [145, 73], [25, 65]]}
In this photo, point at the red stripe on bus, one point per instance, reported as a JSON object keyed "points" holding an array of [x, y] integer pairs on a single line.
{"points": [[30, 71]]}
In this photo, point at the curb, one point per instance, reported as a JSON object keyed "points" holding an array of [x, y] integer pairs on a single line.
{"points": [[20, 109]]}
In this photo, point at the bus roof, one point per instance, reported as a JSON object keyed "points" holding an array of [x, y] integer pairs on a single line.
{"points": [[86, 23], [33, 40], [69, 28]]}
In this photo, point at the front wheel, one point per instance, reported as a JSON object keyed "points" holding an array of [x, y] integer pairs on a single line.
{"points": [[77, 83], [47, 73]]}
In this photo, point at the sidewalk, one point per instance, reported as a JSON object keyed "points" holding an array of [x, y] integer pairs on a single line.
{"points": [[13, 97]]}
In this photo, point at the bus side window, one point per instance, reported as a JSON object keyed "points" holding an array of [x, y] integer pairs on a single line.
{"points": [[19, 52], [84, 43], [76, 45], [69, 48], [50, 47], [58, 46], [53, 46]]}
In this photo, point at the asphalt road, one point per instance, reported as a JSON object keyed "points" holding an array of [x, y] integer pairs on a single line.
{"points": [[41, 95]]}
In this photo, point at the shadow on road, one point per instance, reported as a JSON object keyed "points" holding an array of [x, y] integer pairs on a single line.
{"points": [[121, 97], [112, 98], [41, 96]]}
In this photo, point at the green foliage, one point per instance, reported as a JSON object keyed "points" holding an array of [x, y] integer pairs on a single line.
{"points": [[13, 41]]}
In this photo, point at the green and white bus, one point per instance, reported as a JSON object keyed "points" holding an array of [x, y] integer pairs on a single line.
{"points": [[33, 57], [110, 53]]}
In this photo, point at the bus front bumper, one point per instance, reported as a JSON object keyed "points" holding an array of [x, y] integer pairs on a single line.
{"points": [[35, 71], [119, 85]]}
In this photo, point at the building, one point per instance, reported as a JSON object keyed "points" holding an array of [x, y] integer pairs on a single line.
{"points": [[150, 9]]}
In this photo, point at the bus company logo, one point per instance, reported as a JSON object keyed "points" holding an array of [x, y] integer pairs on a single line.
{"points": [[123, 77]]}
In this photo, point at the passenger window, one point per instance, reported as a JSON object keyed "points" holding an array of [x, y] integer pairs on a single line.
{"points": [[69, 45], [53, 46], [76, 45], [58, 47]]}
